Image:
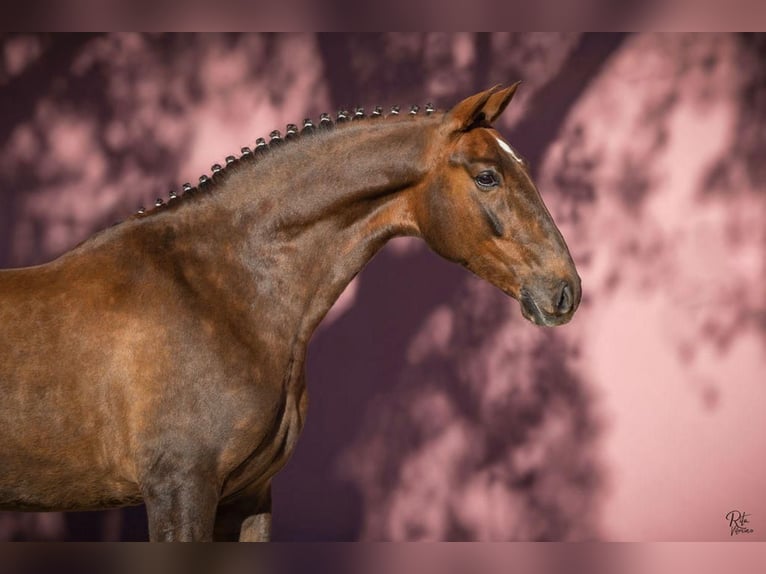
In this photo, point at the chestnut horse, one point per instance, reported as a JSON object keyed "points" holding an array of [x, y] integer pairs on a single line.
{"points": [[162, 360]]}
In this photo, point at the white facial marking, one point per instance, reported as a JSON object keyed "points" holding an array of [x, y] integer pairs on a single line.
{"points": [[508, 149]]}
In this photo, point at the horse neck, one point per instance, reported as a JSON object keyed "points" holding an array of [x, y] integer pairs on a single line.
{"points": [[302, 222]]}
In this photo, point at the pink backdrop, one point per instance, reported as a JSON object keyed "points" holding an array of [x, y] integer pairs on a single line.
{"points": [[436, 411]]}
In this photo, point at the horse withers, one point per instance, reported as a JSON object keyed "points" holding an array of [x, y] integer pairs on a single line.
{"points": [[162, 360]]}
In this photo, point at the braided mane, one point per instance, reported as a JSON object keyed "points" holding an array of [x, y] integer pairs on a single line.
{"points": [[219, 172]]}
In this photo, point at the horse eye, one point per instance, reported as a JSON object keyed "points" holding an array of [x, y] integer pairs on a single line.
{"points": [[487, 180]]}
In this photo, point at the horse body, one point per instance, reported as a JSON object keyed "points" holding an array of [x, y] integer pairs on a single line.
{"points": [[163, 359]]}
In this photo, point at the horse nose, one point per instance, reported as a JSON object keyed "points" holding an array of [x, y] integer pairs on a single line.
{"points": [[565, 300], [551, 304]]}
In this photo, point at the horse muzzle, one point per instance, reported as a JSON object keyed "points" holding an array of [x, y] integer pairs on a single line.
{"points": [[549, 307]]}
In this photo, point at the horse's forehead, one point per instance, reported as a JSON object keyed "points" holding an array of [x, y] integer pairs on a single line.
{"points": [[506, 147], [491, 141]]}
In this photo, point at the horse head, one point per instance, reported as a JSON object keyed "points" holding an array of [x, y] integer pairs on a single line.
{"points": [[479, 207]]}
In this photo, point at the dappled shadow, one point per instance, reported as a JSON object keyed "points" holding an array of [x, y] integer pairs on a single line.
{"points": [[672, 243], [112, 122], [664, 168], [488, 435]]}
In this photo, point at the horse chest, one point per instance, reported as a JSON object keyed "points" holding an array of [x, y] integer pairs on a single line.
{"points": [[257, 461]]}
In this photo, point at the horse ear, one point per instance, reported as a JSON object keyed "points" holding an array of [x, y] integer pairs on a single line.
{"points": [[468, 113], [498, 102], [480, 109]]}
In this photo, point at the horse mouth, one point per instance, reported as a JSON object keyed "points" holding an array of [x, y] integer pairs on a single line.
{"points": [[532, 312]]}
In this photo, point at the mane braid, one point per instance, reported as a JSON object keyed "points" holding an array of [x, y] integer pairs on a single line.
{"points": [[221, 172]]}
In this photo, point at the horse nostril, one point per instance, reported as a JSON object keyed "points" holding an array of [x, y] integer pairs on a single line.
{"points": [[565, 301]]}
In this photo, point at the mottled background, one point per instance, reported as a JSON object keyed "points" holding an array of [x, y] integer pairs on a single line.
{"points": [[437, 412]]}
